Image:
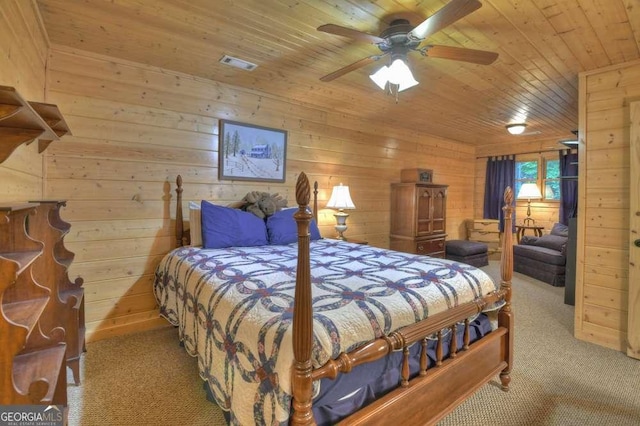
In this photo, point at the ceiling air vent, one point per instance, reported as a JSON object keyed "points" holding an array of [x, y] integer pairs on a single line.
{"points": [[238, 63]]}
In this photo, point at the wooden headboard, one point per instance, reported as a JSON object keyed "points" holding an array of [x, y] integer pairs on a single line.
{"points": [[183, 236]]}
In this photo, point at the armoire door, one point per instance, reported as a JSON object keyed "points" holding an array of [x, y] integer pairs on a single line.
{"points": [[439, 213], [424, 209]]}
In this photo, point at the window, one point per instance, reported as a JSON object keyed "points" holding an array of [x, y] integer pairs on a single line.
{"points": [[526, 172], [547, 176], [551, 180]]}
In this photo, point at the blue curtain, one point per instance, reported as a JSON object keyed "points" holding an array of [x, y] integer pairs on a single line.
{"points": [[568, 187], [501, 172]]}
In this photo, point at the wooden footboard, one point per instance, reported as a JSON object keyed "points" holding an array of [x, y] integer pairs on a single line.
{"points": [[436, 391], [427, 399]]}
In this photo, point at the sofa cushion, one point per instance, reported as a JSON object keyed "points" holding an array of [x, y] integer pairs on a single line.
{"points": [[541, 254], [553, 242], [528, 240], [560, 230]]}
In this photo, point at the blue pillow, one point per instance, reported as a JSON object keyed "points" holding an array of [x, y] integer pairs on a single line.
{"points": [[560, 229], [227, 227], [283, 229]]}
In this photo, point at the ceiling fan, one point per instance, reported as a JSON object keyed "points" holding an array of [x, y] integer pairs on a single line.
{"points": [[401, 38]]}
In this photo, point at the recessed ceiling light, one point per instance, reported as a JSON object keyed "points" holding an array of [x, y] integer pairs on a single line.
{"points": [[238, 63]]}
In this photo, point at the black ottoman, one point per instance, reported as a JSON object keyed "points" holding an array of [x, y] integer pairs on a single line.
{"points": [[469, 252]]}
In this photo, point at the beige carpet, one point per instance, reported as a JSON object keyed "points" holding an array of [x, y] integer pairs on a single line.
{"points": [[148, 379], [556, 379]]}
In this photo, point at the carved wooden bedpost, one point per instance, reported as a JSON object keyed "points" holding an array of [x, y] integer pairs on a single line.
{"points": [[315, 201], [505, 316], [179, 222], [302, 389]]}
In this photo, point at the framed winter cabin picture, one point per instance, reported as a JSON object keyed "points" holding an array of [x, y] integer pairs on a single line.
{"points": [[248, 152]]}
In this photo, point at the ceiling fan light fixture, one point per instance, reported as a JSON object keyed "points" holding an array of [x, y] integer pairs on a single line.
{"points": [[381, 77], [516, 128], [398, 74], [406, 84]]}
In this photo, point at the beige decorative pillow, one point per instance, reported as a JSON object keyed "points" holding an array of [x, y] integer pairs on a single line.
{"points": [[195, 224]]}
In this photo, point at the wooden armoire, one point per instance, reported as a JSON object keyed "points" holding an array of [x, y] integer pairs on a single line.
{"points": [[419, 218]]}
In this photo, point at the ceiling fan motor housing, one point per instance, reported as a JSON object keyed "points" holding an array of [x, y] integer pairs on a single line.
{"points": [[396, 37]]}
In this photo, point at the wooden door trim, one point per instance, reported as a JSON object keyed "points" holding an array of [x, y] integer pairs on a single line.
{"points": [[633, 326], [581, 225]]}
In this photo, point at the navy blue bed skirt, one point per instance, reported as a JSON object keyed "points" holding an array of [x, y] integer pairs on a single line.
{"points": [[349, 392], [365, 383]]}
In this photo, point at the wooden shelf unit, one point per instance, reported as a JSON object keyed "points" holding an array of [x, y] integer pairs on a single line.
{"points": [[31, 363], [40, 364], [51, 115], [66, 310], [42, 328], [22, 122]]}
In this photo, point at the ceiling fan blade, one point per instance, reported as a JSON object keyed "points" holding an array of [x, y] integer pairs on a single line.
{"points": [[453, 11], [481, 57], [351, 33], [352, 67]]}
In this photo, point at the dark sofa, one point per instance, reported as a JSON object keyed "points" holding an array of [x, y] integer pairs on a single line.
{"points": [[543, 258]]}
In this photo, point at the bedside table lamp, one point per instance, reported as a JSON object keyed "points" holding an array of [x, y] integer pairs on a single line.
{"points": [[529, 191], [341, 200]]}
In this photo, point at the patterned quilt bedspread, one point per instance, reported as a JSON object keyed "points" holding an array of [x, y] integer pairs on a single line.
{"points": [[234, 310]]}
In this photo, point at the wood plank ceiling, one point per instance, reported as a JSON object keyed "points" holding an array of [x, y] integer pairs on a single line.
{"points": [[543, 45]]}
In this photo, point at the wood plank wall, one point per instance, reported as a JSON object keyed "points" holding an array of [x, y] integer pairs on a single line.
{"points": [[136, 127], [603, 224], [23, 55]]}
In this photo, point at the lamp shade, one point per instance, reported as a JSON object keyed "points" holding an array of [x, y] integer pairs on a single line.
{"points": [[529, 191], [340, 198], [516, 129], [381, 77], [400, 74]]}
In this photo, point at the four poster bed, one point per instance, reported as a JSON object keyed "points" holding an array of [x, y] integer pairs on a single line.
{"points": [[326, 331]]}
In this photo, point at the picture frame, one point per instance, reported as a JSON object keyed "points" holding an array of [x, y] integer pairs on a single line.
{"points": [[250, 152]]}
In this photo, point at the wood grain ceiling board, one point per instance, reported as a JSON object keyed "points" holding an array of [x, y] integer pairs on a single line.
{"points": [[543, 45]]}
